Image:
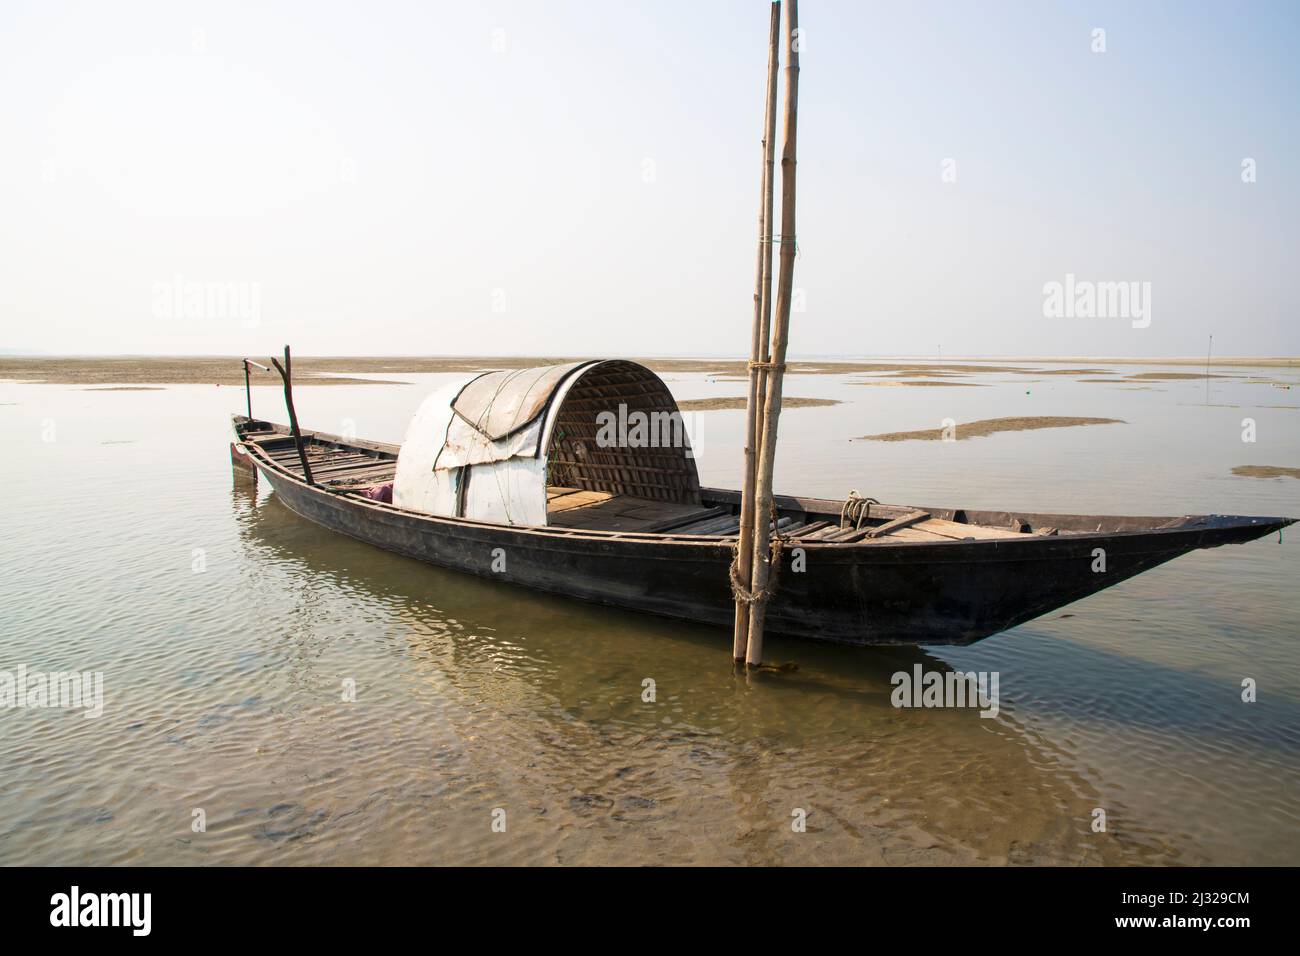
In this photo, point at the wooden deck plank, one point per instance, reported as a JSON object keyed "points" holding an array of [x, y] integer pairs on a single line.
{"points": [[960, 531], [682, 519], [599, 510], [894, 524], [342, 464], [577, 499], [808, 530], [909, 534], [364, 474], [320, 474]]}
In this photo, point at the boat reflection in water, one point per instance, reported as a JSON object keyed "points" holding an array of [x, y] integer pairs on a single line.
{"points": [[473, 698]]}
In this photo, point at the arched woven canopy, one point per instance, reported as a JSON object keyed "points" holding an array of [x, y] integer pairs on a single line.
{"points": [[489, 447]]}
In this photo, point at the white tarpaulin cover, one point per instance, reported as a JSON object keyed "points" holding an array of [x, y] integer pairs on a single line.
{"points": [[417, 485], [473, 448]]}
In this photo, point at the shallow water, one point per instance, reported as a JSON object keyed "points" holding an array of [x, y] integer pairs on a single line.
{"points": [[225, 628]]}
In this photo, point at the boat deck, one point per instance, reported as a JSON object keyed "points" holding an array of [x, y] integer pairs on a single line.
{"points": [[601, 511], [356, 467], [331, 466], [596, 510]]}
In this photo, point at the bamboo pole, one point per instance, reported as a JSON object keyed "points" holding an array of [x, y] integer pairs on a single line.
{"points": [[286, 373], [758, 351], [780, 339], [248, 390]]}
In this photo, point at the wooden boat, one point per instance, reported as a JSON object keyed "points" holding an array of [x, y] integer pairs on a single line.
{"points": [[627, 524]]}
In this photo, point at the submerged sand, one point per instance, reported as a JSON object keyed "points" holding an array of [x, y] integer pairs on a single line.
{"points": [[1172, 376], [1265, 471], [991, 426], [136, 370], [920, 383], [315, 370], [719, 404]]}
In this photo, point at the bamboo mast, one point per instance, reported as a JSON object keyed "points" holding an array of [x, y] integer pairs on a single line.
{"points": [[758, 352], [286, 373], [780, 339]]}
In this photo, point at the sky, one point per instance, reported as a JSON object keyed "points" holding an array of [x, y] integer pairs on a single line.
{"points": [[560, 178]]}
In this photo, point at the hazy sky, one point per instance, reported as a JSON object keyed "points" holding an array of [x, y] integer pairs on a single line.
{"points": [[583, 177]]}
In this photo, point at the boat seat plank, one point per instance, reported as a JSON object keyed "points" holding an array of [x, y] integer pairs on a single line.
{"points": [[291, 456], [357, 465], [321, 473], [266, 439]]}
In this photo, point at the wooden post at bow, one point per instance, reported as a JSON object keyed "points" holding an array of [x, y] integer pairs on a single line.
{"points": [[286, 373], [248, 387]]}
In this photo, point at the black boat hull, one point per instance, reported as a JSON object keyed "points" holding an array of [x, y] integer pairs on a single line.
{"points": [[885, 593]]}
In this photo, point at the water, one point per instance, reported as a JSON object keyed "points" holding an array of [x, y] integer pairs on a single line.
{"points": [[226, 629]]}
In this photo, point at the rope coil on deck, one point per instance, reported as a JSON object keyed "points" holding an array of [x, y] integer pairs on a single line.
{"points": [[856, 509]]}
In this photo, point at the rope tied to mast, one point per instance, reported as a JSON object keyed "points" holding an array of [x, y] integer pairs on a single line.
{"points": [[779, 239], [742, 594]]}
